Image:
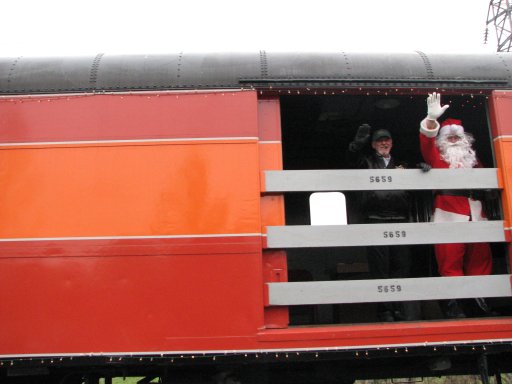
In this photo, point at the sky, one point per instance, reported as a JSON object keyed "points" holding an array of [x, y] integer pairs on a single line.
{"points": [[89, 27]]}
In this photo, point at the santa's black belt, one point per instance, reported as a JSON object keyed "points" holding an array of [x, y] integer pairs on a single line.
{"points": [[455, 192]]}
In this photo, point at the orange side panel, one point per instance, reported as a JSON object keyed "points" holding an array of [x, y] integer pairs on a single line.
{"points": [[500, 108], [503, 152], [271, 156], [272, 205], [500, 105], [130, 190]]}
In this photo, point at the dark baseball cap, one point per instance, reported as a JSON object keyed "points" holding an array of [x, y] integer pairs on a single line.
{"points": [[380, 133]]}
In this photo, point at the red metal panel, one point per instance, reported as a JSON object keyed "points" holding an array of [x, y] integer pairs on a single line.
{"points": [[269, 120], [100, 304], [198, 285], [419, 333], [135, 116], [131, 247]]}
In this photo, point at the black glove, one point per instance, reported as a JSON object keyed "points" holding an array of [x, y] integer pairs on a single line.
{"points": [[477, 194], [424, 166], [361, 138], [363, 133]]}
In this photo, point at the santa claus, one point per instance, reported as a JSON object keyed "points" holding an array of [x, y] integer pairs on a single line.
{"points": [[448, 146]]}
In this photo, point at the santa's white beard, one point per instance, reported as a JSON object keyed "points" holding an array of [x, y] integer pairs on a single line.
{"points": [[459, 154]]}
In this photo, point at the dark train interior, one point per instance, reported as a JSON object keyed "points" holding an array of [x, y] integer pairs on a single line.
{"points": [[316, 132]]}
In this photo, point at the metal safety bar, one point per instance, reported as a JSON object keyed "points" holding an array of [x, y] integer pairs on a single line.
{"points": [[357, 291], [385, 290], [379, 179], [302, 236]]}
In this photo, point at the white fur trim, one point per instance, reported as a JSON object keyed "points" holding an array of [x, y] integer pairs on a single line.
{"points": [[476, 210], [475, 206], [442, 216], [449, 130], [428, 132]]}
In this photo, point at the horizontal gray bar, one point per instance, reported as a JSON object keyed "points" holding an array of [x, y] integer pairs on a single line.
{"points": [[303, 236], [367, 291], [380, 179]]}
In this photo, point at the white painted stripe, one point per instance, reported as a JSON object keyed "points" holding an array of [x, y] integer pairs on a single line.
{"points": [[142, 141], [130, 237], [187, 353], [502, 137], [270, 142]]}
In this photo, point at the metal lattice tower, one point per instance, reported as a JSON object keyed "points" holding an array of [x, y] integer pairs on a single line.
{"points": [[499, 14]]}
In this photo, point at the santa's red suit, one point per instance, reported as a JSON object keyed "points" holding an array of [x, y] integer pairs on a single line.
{"points": [[452, 206]]}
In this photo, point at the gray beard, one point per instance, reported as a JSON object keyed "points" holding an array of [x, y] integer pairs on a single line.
{"points": [[458, 155]]}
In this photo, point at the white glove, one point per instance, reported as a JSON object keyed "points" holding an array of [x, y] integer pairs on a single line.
{"points": [[434, 106]]}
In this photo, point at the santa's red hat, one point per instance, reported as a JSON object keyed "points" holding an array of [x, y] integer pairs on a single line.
{"points": [[451, 127]]}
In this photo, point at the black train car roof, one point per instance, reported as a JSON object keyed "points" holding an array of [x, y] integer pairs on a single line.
{"points": [[260, 70]]}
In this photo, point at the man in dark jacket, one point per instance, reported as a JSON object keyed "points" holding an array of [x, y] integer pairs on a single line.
{"points": [[384, 207]]}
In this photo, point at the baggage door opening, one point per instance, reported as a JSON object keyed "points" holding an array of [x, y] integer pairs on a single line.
{"points": [[316, 132]]}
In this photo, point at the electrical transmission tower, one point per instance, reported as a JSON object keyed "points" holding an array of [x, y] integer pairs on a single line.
{"points": [[499, 15]]}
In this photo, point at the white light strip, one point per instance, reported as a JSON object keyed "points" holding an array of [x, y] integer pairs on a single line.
{"points": [[130, 237], [157, 93], [447, 343], [156, 141]]}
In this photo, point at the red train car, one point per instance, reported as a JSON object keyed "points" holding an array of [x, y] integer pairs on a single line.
{"points": [[155, 218]]}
